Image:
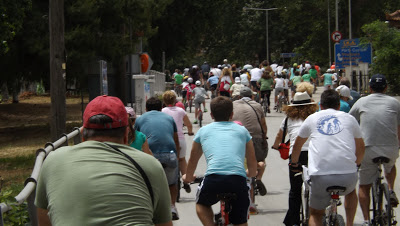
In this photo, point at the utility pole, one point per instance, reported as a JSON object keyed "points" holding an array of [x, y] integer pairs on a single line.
{"points": [[57, 69]]}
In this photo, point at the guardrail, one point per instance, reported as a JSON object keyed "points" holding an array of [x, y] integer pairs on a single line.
{"points": [[29, 190]]}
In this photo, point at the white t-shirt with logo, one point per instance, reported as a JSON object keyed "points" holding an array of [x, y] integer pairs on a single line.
{"points": [[331, 134]]}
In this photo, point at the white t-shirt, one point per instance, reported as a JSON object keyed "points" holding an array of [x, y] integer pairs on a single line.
{"points": [[332, 146], [286, 84], [255, 74], [293, 126], [244, 80], [279, 82], [216, 71], [274, 66], [279, 70]]}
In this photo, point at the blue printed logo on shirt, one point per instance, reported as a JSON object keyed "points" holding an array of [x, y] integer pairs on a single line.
{"points": [[329, 125]]}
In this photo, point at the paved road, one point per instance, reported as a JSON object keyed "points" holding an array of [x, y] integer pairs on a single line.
{"points": [[272, 207]]}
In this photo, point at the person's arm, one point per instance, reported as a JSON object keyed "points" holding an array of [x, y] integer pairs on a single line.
{"points": [[188, 124], [278, 139], [297, 148], [146, 148], [178, 148], [398, 134], [43, 217], [194, 158], [264, 127], [251, 159], [360, 150]]}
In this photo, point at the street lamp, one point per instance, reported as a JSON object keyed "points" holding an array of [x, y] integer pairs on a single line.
{"points": [[266, 26]]}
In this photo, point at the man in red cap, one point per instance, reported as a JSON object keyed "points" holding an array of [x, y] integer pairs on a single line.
{"points": [[102, 181]]}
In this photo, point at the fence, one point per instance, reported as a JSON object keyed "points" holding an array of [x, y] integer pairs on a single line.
{"points": [[28, 193]]}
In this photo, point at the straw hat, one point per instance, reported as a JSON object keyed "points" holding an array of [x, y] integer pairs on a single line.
{"points": [[301, 98]]}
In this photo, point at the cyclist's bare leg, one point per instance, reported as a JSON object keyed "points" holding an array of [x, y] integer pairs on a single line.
{"points": [[364, 199], [260, 169], [205, 214], [316, 217], [390, 177], [350, 205], [196, 112], [173, 191]]}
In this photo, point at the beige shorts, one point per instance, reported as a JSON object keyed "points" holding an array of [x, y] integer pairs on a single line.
{"points": [[369, 171]]}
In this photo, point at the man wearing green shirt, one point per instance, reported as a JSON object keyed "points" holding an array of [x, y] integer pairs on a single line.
{"points": [[103, 181]]}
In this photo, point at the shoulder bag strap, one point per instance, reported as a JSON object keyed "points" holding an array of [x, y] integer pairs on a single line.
{"points": [[258, 118], [284, 130], [141, 171]]}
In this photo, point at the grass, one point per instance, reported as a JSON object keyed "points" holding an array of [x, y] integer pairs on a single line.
{"points": [[24, 128]]}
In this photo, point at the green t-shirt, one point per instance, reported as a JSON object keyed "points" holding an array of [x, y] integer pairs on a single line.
{"points": [[296, 79], [313, 73], [93, 184], [140, 138], [306, 78], [178, 79], [265, 84]]}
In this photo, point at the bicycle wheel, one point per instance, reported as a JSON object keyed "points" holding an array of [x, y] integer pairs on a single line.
{"points": [[265, 106], [387, 210], [190, 106], [304, 208], [374, 195]]}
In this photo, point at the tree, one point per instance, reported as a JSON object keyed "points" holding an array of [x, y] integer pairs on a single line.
{"points": [[12, 14], [385, 44]]}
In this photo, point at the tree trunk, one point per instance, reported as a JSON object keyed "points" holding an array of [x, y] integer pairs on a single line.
{"points": [[57, 69], [4, 93]]}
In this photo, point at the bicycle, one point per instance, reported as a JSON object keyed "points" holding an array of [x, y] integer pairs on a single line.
{"points": [[281, 101], [264, 104], [332, 218], [382, 208], [178, 90], [222, 218], [197, 180]]}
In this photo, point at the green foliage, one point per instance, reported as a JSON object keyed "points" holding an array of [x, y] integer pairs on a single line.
{"points": [[18, 215], [12, 15], [386, 44]]}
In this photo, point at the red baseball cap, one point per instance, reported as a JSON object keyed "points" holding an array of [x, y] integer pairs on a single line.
{"points": [[106, 105]]}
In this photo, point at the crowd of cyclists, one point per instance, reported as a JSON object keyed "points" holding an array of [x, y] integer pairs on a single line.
{"points": [[336, 139], [303, 79]]}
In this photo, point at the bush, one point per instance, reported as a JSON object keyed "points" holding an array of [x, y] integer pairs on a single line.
{"points": [[18, 215]]}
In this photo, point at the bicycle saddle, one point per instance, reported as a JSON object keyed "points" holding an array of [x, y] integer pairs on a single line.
{"points": [[336, 188], [226, 196], [380, 160]]}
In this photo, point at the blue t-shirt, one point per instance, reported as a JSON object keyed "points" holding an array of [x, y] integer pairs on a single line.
{"points": [[327, 79], [159, 129], [224, 147], [213, 80], [344, 106]]}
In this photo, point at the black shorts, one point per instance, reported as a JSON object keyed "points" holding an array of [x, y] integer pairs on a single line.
{"points": [[254, 84], [214, 184], [183, 93]]}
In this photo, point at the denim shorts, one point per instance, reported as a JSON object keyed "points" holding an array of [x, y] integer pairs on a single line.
{"points": [[169, 161]]}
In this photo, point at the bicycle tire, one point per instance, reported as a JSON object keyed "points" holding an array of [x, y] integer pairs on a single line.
{"points": [[265, 105], [387, 210], [304, 208], [374, 195], [190, 106]]}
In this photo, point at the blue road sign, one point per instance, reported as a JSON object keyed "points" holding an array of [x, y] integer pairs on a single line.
{"points": [[349, 51]]}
